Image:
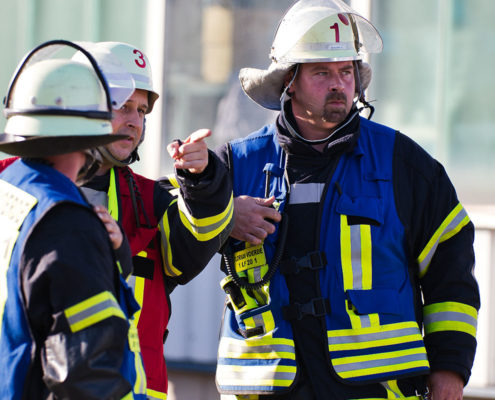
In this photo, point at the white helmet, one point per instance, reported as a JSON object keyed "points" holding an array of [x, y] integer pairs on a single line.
{"points": [[312, 31], [323, 30], [56, 105], [135, 62]]}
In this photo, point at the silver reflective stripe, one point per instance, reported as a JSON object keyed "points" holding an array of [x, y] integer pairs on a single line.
{"points": [[385, 362], [255, 373], [323, 46], [443, 316], [357, 268], [89, 312], [269, 348], [369, 337], [301, 193]]}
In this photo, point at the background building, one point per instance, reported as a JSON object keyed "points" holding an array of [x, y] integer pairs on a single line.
{"points": [[433, 82]]}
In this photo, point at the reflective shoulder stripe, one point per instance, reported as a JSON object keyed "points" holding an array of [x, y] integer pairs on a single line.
{"points": [[164, 227], [93, 310], [113, 203], [455, 221], [155, 395], [303, 193], [204, 229], [450, 316]]}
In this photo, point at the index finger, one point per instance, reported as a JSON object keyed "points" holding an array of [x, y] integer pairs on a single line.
{"points": [[198, 135]]}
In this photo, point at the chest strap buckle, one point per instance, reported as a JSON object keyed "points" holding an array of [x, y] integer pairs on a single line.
{"points": [[313, 261], [317, 307]]}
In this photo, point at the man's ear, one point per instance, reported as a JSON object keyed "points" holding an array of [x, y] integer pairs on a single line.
{"points": [[287, 81]]}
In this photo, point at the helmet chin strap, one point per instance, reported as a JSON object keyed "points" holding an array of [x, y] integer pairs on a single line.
{"points": [[286, 97], [116, 162]]}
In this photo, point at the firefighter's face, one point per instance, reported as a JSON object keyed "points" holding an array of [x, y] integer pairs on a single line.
{"points": [[129, 120], [323, 93]]}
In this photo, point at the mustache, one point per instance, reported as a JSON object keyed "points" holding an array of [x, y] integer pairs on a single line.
{"points": [[335, 96]]}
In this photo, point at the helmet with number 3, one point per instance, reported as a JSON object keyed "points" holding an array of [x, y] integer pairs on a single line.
{"points": [[313, 31], [135, 62]]}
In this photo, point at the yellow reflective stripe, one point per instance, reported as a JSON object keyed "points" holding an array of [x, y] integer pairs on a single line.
{"points": [[256, 375], [257, 348], [455, 221], [140, 384], [155, 395], [356, 256], [173, 180], [113, 203], [164, 227], [139, 295], [134, 346], [204, 229], [374, 336], [93, 310], [450, 316]]}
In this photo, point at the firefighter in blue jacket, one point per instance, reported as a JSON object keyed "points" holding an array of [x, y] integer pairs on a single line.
{"points": [[66, 311], [360, 285]]}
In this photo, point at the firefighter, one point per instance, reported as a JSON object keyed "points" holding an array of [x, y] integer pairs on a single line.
{"points": [[66, 311], [172, 238], [360, 285]]}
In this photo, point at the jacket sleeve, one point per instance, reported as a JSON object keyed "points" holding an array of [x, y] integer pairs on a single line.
{"points": [[197, 220], [69, 285], [440, 242]]}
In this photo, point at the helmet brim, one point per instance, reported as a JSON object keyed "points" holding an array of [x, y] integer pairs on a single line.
{"points": [[42, 146]]}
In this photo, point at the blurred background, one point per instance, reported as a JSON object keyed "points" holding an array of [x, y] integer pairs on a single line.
{"points": [[433, 81]]}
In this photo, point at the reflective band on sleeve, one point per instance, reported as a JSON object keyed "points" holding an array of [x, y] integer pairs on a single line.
{"points": [[93, 310], [204, 229], [454, 222], [450, 316], [303, 193], [164, 227]]}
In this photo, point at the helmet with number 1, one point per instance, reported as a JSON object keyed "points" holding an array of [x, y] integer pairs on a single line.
{"points": [[313, 31], [135, 62]]}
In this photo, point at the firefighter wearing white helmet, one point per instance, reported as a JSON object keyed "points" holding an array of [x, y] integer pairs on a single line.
{"points": [[349, 264], [187, 239], [63, 299]]}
